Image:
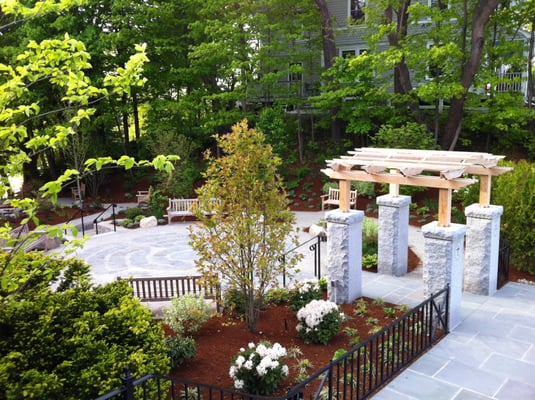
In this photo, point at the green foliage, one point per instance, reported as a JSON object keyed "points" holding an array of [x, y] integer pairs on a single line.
{"points": [[319, 321], [271, 124], [369, 261], [327, 185], [133, 212], [72, 343], [390, 312], [127, 222], [187, 314], [304, 292], [234, 301], [364, 189], [409, 136], [157, 203], [250, 215], [515, 191], [323, 283], [259, 369], [277, 296], [370, 234], [179, 349]]}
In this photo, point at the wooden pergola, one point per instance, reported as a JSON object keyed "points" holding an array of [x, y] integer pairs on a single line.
{"points": [[444, 170]]}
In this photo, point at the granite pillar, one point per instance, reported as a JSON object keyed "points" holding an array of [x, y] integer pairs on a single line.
{"points": [[443, 264], [344, 255], [393, 234], [482, 248]]}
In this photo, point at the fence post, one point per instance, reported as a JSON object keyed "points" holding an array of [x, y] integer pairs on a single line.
{"points": [[128, 383]]}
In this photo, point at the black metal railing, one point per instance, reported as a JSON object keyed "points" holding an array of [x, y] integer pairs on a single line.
{"points": [[95, 221], [80, 213], [357, 374], [314, 245], [503, 263]]}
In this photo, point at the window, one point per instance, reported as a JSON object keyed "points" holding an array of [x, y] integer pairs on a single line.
{"points": [[351, 52], [356, 9]]}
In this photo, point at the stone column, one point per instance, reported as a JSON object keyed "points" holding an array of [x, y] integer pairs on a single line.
{"points": [[393, 234], [482, 248], [443, 264], [344, 255]]}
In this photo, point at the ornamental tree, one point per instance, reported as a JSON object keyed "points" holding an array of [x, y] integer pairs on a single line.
{"points": [[244, 224]]}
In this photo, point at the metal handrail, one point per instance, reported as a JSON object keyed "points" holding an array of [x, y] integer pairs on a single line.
{"points": [[81, 212], [315, 247], [95, 221]]}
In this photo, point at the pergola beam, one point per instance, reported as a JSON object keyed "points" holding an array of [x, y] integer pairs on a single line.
{"points": [[445, 171], [384, 177]]}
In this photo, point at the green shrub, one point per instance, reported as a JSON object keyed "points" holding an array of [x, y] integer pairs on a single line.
{"points": [[323, 283], [132, 213], [370, 235], [72, 343], [364, 189], [515, 191], [127, 222], [369, 261], [303, 293], [138, 218], [179, 349], [157, 203], [277, 296], [327, 185], [319, 321], [187, 314]]}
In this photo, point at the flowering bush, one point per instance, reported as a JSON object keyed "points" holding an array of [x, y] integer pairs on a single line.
{"points": [[259, 369], [319, 321], [303, 293]]}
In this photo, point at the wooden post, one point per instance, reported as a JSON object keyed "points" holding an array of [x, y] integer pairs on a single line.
{"points": [[484, 190], [393, 188], [444, 207], [345, 188]]}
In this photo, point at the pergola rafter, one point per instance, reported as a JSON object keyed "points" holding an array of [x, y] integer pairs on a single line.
{"points": [[444, 170]]}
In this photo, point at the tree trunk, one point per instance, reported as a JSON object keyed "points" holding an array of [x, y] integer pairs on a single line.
{"points": [[329, 53], [126, 128], [402, 78], [481, 15], [135, 106]]}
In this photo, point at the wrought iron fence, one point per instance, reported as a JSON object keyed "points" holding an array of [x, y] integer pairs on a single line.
{"points": [[356, 374]]}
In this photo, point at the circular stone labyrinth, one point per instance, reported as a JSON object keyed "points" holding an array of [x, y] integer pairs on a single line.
{"points": [[149, 252]]}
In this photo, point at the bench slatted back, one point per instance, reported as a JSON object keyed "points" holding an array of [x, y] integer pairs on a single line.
{"points": [[165, 288], [181, 205]]}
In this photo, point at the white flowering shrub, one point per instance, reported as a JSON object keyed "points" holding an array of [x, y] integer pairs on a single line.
{"points": [[303, 292], [319, 321], [259, 369]]}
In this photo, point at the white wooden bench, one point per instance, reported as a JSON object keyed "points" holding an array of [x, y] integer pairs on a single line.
{"points": [[180, 208], [143, 196], [333, 199], [183, 208]]}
